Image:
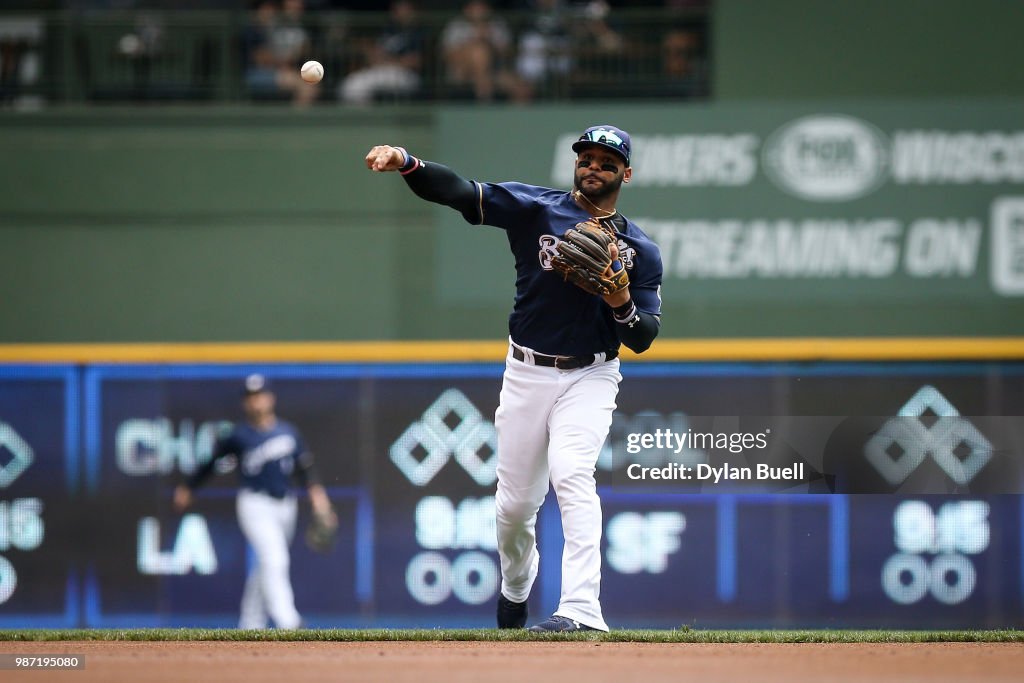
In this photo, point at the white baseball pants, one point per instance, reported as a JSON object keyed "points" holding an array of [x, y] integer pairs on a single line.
{"points": [[268, 524], [551, 426]]}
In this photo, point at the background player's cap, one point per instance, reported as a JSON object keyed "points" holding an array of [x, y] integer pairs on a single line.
{"points": [[611, 137], [255, 384]]}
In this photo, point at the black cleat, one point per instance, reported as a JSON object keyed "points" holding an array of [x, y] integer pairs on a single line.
{"points": [[557, 624], [511, 614]]}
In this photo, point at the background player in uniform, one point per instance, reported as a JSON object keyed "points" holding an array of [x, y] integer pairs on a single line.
{"points": [[270, 452], [562, 372]]}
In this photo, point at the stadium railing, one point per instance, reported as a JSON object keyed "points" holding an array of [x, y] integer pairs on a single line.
{"points": [[199, 56]]}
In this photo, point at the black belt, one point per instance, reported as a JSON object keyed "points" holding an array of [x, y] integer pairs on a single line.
{"points": [[266, 493], [561, 362]]}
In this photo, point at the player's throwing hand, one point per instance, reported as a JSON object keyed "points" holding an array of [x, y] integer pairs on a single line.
{"points": [[385, 158]]}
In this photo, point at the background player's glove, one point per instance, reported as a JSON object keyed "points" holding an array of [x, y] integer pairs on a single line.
{"points": [[583, 259], [322, 531]]}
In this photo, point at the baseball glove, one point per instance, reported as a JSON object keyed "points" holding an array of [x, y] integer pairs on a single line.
{"points": [[583, 260], [322, 531]]}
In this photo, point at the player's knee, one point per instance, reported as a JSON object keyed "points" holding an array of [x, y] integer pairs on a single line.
{"points": [[274, 566], [572, 485], [515, 513]]}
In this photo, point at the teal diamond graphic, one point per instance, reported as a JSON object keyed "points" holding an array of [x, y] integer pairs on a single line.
{"points": [[21, 455]]}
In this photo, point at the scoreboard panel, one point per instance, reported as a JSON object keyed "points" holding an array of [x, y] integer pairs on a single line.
{"points": [[40, 513], [89, 457]]}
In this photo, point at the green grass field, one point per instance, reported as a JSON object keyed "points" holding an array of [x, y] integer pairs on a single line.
{"points": [[683, 635]]}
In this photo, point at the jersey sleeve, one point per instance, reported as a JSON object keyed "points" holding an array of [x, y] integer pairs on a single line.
{"points": [[305, 464], [226, 445], [645, 283], [504, 205]]}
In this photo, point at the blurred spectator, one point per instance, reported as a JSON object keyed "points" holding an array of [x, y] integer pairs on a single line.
{"points": [[599, 58], [678, 65], [147, 39], [394, 61], [595, 31], [544, 46], [477, 49], [21, 40], [677, 49], [276, 44], [141, 49], [11, 52]]}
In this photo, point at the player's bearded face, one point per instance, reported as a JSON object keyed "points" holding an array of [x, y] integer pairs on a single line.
{"points": [[259, 405], [594, 182]]}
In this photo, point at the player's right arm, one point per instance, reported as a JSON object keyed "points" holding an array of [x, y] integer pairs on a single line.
{"points": [[434, 182], [183, 492], [308, 477]]}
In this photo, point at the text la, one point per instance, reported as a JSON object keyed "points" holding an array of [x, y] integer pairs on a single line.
{"points": [[193, 548]]}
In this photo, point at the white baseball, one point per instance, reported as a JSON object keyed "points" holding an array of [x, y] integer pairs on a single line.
{"points": [[312, 72]]}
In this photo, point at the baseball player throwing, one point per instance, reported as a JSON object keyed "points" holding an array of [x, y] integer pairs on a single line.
{"points": [[269, 452], [587, 279]]}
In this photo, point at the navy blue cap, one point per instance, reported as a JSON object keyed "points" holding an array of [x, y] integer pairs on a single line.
{"points": [[615, 139], [255, 384]]}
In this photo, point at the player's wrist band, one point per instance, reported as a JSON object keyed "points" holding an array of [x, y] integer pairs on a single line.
{"points": [[413, 164], [410, 164], [624, 313]]}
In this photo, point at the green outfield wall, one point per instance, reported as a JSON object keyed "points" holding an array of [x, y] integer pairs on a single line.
{"points": [[859, 174], [826, 218], [140, 226]]}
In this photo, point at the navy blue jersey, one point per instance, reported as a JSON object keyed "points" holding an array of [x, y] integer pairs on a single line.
{"points": [[550, 315], [266, 460]]}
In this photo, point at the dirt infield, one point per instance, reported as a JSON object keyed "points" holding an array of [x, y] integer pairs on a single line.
{"points": [[448, 662]]}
